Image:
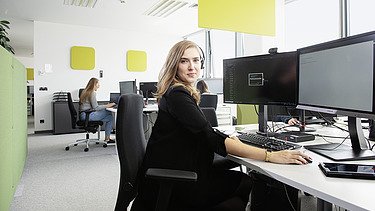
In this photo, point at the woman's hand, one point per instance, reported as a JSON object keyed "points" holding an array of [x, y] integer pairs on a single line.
{"points": [[289, 156], [110, 105]]}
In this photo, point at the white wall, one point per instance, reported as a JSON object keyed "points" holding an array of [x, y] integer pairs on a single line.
{"points": [[28, 62], [52, 43]]}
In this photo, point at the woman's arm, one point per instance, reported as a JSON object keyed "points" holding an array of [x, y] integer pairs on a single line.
{"points": [[94, 103], [235, 147]]}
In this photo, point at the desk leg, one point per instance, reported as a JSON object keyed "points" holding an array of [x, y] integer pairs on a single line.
{"points": [[323, 205]]}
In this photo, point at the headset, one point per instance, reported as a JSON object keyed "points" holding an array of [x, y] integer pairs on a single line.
{"points": [[202, 57]]}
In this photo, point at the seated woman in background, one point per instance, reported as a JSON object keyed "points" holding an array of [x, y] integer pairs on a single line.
{"points": [[88, 101], [202, 87], [183, 139]]}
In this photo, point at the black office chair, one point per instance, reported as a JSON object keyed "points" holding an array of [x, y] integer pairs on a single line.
{"points": [[131, 147], [219, 161], [88, 126], [208, 100]]}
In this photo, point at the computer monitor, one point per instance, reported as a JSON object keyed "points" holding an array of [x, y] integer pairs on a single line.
{"points": [[127, 87], [148, 89], [337, 77], [114, 97], [262, 80]]}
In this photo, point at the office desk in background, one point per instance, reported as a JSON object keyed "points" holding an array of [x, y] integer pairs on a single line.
{"points": [[351, 194], [149, 117]]}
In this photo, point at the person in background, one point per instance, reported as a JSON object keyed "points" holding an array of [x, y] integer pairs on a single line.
{"points": [[88, 101], [183, 139], [287, 120], [202, 87]]}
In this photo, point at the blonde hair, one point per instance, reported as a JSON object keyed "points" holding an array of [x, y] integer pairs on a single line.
{"points": [[168, 74], [86, 93]]}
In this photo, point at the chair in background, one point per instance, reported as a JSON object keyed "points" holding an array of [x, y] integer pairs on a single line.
{"points": [[80, 92], [88, 126], [219, 161], [208, 100], [131, 147]]}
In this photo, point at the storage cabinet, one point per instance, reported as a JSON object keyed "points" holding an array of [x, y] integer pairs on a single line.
{"points": [[61, 118]]}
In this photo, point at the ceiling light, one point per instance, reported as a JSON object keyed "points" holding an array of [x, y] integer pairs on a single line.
{"points": [[81, 3], [164, 8]]}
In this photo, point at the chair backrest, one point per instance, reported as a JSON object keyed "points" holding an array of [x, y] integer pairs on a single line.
{"points": [[72, 110], [131, 146], [208, 100], [80, 92], [210, 115]]}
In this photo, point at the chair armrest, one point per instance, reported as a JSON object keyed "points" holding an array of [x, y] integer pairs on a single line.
{"points": [[170, 174]]}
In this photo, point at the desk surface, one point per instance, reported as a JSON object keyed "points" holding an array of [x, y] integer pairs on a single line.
{"points": [[351, 194], [147, 108]]}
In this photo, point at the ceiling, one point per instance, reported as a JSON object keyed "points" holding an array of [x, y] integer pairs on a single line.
{"points": [[118, 14]]}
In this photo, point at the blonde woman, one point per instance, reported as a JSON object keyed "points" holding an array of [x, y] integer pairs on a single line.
{"points": [[183, 139], [88, 101]]}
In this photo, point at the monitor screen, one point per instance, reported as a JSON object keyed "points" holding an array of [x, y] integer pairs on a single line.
{"points": [[263, 80], [114, 97], [148, 88], [127, 87], [338, 77]]}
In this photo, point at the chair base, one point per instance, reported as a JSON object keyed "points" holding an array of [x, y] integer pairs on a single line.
{"points": [[87, 141]]}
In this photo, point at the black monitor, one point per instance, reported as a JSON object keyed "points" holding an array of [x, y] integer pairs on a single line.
{"points": [[114, 97], [127, 87], [148, 89], [262, 80], [337, 77]]}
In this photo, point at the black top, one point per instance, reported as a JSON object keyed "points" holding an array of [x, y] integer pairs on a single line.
{"points": [[182, 139]]}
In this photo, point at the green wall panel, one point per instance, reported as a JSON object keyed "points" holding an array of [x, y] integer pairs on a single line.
{"points": [[13, 130], [246, 114]]}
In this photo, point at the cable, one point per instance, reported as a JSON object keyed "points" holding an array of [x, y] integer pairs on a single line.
{"points": [[287, 196]]}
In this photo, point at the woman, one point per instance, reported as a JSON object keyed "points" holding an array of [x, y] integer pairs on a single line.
{"points": [[88, 101], [183, 139], [202, 87]]}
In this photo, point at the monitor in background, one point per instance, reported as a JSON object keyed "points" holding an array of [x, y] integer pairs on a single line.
{"points": [[127, 87], [114, 97], [148, 89], [262, 80], [337, 77]]}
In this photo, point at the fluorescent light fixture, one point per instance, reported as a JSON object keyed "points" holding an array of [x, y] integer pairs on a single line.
{"points": [[81, 3], [164, 8]]}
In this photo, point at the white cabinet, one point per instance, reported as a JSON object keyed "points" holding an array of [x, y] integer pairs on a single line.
{"points": [[224, 115]]}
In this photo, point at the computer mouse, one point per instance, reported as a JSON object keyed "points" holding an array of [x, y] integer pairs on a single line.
{"points": [[309, 160]]}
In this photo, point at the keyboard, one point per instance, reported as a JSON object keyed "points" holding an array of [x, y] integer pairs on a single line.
{"points": [[267, 142]]}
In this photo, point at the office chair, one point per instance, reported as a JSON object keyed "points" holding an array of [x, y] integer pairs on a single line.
{"points": [[80, 92], [88, 126], [131, 147], [208, 100], [219, 161]]}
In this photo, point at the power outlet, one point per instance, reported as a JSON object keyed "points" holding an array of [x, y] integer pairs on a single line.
{"points": [[41, 121]]}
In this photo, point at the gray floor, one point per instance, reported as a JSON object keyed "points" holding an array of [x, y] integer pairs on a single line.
{"points": [[55, 179]]}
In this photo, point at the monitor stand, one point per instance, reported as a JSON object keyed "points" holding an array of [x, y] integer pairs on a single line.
{"points": [[359, 150]]}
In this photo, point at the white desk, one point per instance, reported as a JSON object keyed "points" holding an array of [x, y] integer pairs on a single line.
{"points": [[147, 109], [351, 194], [149, 117]]}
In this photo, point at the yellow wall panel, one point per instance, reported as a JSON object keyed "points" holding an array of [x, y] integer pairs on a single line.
{"points": [[30, 74], [246, 16], [82, 58], [136, 61]]}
